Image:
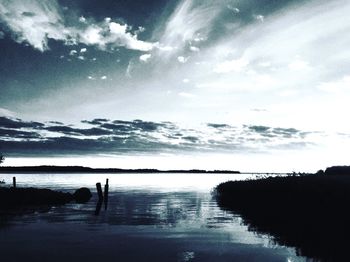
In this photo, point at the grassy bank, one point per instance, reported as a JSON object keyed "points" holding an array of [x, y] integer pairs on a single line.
{"points": [[307, 212]]}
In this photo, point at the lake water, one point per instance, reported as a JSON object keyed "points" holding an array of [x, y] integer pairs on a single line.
{"points": [[150, 217]]}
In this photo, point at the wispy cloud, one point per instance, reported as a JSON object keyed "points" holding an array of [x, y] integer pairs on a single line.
{"points": [[191, 22], [288, 60], [36, 22]]}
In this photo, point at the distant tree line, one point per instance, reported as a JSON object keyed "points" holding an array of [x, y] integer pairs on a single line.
{"points": [[2, 158]]}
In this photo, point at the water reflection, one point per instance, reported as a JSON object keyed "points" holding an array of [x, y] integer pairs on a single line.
{"points": [[172, 182], [157, 208], [142, 207], [142, 223]]}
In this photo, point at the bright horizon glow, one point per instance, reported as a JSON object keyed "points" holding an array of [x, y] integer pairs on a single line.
{"points": [[130, 181], [282, 162]]}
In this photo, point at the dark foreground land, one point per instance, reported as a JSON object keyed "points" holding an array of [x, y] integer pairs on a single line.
{"points": [[309, 212], [22, 200]]}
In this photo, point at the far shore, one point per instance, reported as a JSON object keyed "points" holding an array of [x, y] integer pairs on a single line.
{"points": [[81, 169]]}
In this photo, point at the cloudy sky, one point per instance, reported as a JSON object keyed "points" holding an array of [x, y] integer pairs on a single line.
{"points": [[254, 85]]}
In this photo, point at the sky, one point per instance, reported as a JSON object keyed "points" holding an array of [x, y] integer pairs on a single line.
{"points": [[249, 85]]}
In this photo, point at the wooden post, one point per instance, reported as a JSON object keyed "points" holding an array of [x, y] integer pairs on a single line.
{"points": [[99, 191], [106, 194], [14, 182], [98, 207]]}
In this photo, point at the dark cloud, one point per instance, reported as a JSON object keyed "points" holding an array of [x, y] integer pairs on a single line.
{"points": [[23, 138], [288, 132], [78, 131], [55, 122], [146, 126], [18, 123], [11, 133], [70, 145], [192, 139], [259, 129], [50, 146], [126, 126], [218, 125], [118, 128], [266, 131], [96, 121]]}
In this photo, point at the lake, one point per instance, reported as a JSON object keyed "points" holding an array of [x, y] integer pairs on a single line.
{"points": [[150, 217]]}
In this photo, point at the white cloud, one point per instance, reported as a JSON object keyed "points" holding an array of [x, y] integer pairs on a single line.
{"points": [[140, 30], [81, 57], [129, 69], [91, 78], [298, 65], [35, 22], [6, 112], [235, 65], [182, 59], [233, 9], [145, 58], [260, 18], [82, 19], [116, 28], [265, 81], [83, 50], [186, 80], [186, 95], [112, 34], [336, 86], [194, 49], [199, 38], [119, 36], [265, 64], [103, 77], [91, 35], [73, 52], [165, 48]]}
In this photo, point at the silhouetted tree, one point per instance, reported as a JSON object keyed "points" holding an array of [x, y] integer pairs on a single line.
{"points": [[2, 158]]}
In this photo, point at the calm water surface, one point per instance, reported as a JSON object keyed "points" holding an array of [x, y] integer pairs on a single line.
{"points": [[150, 217]]}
